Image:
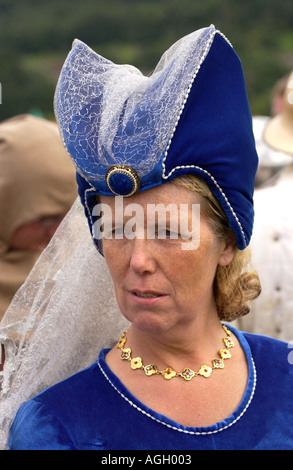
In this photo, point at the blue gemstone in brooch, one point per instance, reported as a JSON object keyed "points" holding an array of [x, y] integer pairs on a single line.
{"points": [[122, 180]]}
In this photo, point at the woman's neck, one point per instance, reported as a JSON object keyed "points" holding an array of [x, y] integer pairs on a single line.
{"points": [[180, 347]]}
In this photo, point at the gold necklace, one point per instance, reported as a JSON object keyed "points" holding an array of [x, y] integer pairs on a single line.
{"points": [[169, 373]]}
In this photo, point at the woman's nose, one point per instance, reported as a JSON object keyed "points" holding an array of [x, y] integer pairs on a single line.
{"points": [[142, 258]]}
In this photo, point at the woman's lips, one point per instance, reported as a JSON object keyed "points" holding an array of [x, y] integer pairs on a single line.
{"points": [[147, 296]]}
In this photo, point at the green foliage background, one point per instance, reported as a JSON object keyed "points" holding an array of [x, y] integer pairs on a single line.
{"points": [[36, 35]]}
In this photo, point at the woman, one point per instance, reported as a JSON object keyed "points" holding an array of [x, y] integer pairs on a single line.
{"points": [[178, 378]]}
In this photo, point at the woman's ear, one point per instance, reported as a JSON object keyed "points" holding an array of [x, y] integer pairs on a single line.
{"points": [[228, 251]]}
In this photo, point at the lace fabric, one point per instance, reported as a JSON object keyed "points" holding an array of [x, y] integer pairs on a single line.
{"points": [[104, 111], [60, 319]]}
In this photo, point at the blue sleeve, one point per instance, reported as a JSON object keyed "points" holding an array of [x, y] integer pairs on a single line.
{"points": [[36, 428]]}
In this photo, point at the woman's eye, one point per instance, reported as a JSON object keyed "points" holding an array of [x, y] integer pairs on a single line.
{"points": [[112, 233], [166, 233], [118, 231]]}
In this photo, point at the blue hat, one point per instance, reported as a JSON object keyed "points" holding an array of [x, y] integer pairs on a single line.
{"points": [[127, 133]]}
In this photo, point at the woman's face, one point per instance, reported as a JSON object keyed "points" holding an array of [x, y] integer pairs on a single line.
{"points": [[160, 283]]}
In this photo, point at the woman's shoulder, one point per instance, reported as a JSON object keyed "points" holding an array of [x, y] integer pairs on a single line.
{"points": [[52, 418], [260, 342], [271, 354], [85, 382]]}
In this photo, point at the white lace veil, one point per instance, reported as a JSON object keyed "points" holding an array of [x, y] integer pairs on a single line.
{"points": [[60, 319], [113, 114]]}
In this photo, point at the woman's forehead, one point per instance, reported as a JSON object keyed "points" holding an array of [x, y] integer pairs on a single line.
{"points": [[168, 193]]}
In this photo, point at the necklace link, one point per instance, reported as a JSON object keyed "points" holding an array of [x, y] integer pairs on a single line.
{"points": [[169, 373]]}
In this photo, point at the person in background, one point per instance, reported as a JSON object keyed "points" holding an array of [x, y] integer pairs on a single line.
{"points": [[271, 159], [278, 94], [272, 240], [37, 188]]}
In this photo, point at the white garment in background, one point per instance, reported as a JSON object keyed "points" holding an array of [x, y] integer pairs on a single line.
{"points": [[272, 256], [271, 160]]}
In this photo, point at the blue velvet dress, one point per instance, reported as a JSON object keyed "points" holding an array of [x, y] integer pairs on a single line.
{"points": [[94, 410]]}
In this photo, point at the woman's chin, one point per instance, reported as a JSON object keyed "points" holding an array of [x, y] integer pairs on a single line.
{"points": [[150, 322]]}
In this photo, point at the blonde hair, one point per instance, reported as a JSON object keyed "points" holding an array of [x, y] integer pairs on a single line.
{"points": [[236, 284]]}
